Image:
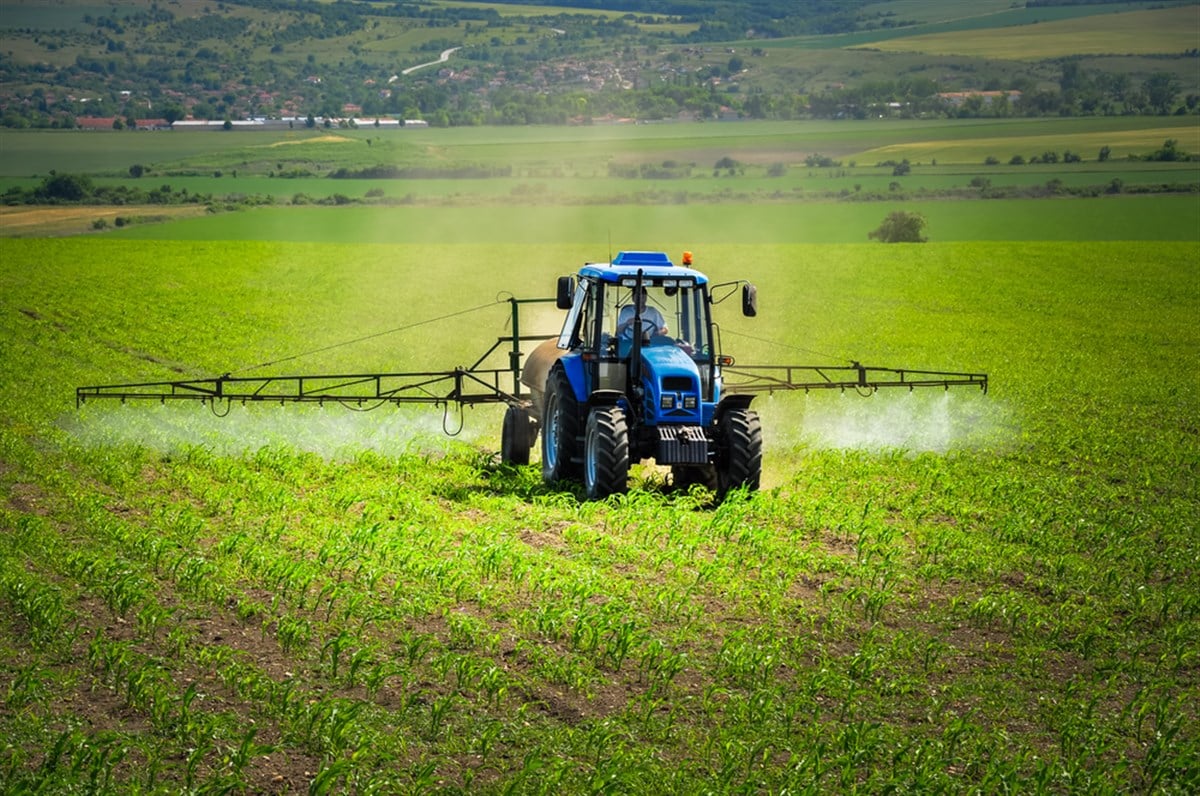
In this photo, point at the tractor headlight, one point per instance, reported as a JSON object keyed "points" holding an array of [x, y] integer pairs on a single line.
{"points": [[689, 402], [667, 401]]}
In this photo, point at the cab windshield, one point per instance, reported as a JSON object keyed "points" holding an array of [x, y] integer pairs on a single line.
{"points": [[664, 315]]}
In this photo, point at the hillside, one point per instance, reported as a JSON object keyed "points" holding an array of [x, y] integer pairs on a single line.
{"points": [[148, 63]]}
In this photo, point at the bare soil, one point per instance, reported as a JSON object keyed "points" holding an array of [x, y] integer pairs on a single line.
{"points": [[40, 222]]}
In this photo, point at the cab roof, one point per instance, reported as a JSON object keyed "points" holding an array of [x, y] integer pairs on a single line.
{"points": [[654, 266]]}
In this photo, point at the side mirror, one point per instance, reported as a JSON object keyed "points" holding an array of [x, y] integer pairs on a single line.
{"points": [[749, 300], [566, 292]]}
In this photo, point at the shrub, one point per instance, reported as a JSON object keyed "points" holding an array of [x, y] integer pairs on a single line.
{"points": [[900, 227], [819, 161]]}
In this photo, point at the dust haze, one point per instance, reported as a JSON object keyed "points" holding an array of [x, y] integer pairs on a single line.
{"points": [[333, 432], [918, 422]]}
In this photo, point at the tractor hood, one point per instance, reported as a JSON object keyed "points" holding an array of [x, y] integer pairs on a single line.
{"points": [[672, 382]]}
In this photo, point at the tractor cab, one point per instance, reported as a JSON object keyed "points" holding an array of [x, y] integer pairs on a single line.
{"points": [[640, 317], [635, 374]]}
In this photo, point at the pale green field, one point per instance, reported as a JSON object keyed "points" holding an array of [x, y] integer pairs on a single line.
{"points": [[798, 184], [633, 226], [582, 151], [1166, 31], [1086, 143]]}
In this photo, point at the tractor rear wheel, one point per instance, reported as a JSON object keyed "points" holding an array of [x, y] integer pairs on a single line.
{"points": [[516, 436], [740, 451], [605, 453], [560, 429]]}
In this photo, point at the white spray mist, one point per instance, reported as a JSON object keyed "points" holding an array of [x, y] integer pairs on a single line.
{"points": [[332, 432], [917, 422]]}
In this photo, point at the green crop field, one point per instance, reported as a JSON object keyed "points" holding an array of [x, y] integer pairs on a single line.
{"points": [[934, 592], [708, 224], [1144, 31], [586, 151]]}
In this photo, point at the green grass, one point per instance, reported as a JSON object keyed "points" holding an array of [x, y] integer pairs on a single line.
{"points": [[580, 151], [1163, 31], [1003, 599], [695, 224], [940, 18]]}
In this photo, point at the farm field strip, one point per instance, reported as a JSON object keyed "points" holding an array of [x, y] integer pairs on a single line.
{"points": [[1158, 31], [1017, 610], [934, 24], [693, 224], [573, 150]]}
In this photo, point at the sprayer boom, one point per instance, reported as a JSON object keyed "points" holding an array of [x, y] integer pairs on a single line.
{"points": [[772, 378], [460, 386]]}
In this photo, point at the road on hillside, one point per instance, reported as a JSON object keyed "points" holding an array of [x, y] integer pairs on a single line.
{"points": [[445, 56]]}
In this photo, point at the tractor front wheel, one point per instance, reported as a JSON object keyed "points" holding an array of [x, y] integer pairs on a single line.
{"points": [[605, 453], [560, 429], [516, 436], [740, 451]]}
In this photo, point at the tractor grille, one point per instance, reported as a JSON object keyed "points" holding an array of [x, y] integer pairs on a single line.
{"points": [[682, 445]]}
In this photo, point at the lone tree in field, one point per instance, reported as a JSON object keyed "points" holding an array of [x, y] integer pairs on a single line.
{"points": [[900, 227]]}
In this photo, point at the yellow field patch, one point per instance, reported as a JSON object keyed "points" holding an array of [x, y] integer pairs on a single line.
{"points": [[974, 150], [1168, 31], [321, 139]]}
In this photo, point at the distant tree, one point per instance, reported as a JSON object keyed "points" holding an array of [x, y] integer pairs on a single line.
{"points": [[1169, 152], [1017, 160], [1161, 88], [1105, 153], [137, 170], [172, 114], [900, 227], [902, 169], [68, 187], [730, 165], [310, 122]]}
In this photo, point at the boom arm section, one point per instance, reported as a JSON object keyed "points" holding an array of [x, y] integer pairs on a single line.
{"points": [[462, 386], [770, 378]]}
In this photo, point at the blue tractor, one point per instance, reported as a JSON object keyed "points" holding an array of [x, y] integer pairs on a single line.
{"points": [[635, 375]]}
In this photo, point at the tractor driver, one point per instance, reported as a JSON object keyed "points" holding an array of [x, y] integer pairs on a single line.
{"points": [[652, 319]]}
